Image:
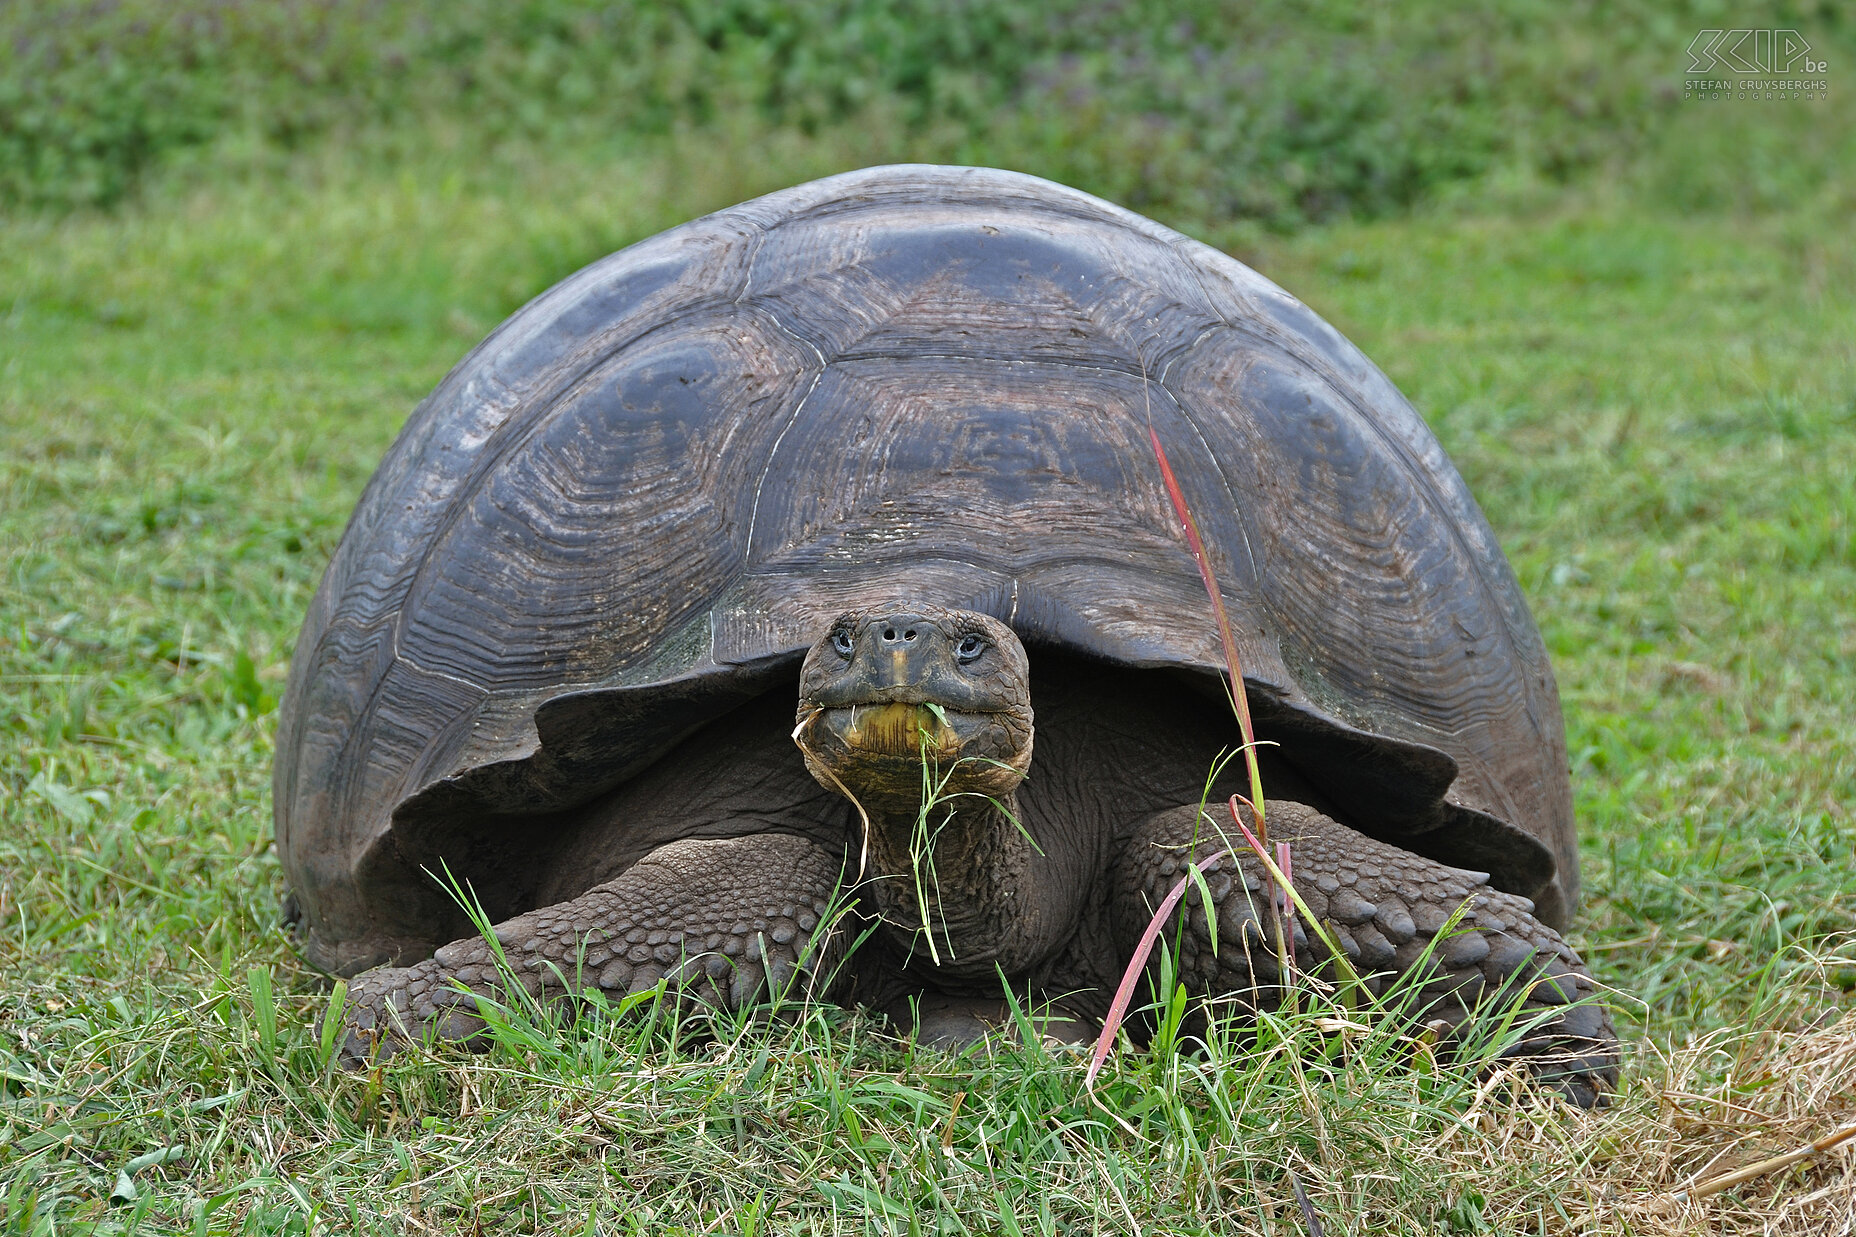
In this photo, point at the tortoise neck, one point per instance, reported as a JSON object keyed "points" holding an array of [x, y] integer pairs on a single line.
{"points": [[961, 888]]}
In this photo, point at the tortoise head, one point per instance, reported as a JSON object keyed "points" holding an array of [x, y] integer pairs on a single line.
{"points": [[894, 690]]}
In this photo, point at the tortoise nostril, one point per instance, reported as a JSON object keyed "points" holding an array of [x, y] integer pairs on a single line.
{"points": [[898, 633]]}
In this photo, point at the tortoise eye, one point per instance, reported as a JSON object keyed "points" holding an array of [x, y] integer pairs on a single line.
{"points": [[841, 641], [970, 648]]}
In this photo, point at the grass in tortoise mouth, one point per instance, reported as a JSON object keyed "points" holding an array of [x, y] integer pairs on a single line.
{"points": [[926, 831], [897, 729]]}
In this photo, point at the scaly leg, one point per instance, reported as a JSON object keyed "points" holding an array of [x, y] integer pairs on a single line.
{"points": [[1385, 907], [728, 921]]}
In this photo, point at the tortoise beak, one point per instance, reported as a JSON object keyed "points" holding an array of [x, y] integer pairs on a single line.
{"points": [[895, 729]]}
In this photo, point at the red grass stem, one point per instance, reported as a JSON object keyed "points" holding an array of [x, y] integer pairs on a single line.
{"points": [[1240, 701]]}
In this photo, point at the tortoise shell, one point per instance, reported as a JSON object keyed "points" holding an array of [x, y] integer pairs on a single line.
{"points": [[635, 504]]}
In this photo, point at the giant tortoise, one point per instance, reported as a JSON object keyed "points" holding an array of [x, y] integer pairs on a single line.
{"points": [[880, 444]]}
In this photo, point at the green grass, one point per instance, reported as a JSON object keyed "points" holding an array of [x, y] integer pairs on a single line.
{"points": [[1657, 411]]}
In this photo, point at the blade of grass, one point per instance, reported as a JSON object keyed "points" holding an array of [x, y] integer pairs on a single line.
{"points": [[863, 849], [1240, 702], [264, 1009], [332, 1024], [1342, 963], [1727, 1181], [1310, 1221], [1240, 705], [1124, 992]]}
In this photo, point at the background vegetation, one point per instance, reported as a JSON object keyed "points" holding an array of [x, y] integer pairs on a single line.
{"points": [[240, 240], [1200, 111]]}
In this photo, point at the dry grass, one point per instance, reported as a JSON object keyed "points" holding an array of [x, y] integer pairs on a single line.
{"points": [[1694, 1112], [1731, 1101]]}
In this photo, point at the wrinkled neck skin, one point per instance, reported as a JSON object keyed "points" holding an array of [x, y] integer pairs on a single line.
{"points": [[989, 903]]}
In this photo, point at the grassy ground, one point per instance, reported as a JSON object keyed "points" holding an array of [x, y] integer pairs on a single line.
{"points": [[1657, 412]]}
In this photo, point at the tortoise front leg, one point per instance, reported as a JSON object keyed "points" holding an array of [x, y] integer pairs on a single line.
{"points": [[728, 921], [1385, 908]]}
